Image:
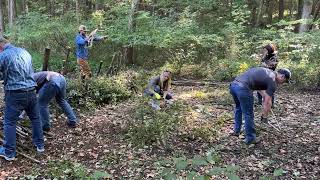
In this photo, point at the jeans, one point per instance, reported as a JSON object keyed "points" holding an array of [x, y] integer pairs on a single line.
{"points": [[243, 98], [15, 102], [56, 87], [157, 89], [260, 98]]}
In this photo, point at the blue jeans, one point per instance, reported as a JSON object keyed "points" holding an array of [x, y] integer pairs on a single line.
{"points": [[243, 98], [56, 87], [157, 90], [15, 102]]}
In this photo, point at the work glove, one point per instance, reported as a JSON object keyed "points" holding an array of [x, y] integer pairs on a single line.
{"points": [[264, 119], [157, 96]]}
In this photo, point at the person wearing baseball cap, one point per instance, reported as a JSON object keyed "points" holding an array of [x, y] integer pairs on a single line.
{"points": [[263, 80], [82, 53]]}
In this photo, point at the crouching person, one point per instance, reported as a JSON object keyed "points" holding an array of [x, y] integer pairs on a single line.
{"points": [[53, 85], [20, 94], [265, 81], [159, 87]]}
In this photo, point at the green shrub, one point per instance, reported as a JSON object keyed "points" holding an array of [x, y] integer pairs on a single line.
{"points": [[96, 91], [149, 126]]}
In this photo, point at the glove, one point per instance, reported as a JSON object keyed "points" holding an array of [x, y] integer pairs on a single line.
{"points": [[157, 96], [264, 119]]}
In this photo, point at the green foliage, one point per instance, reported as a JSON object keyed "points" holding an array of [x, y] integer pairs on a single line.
{"points": [[96, 91], [183, 168], [66, 169], [149, 126]]}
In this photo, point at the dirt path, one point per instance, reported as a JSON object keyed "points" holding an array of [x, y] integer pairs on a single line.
{"points": [[99, 142]]}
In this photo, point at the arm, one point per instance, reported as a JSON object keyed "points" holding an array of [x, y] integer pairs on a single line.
{"points": [[267, 103], [81, 41]]}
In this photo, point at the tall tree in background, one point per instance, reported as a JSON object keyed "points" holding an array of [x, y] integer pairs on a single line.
{"points": [[10, 13], [281, 9], [269, 11], [1, 18], [306, 11], [131, 26]]}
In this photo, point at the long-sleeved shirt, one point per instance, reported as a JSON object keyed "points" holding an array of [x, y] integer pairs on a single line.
{"points": [[16, 67], [81, 46]]}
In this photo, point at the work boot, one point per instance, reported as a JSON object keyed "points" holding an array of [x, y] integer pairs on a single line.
{"points": [[72, 124], [255, 141]]}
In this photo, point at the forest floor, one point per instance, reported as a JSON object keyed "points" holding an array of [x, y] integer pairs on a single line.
{"points": [[200, 147]]}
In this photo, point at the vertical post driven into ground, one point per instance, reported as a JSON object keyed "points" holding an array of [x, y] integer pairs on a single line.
{"points": [[99, 69], [46, 59], [65, 62]]}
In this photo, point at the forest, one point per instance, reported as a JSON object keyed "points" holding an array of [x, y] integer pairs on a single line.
{"points": [[205, 45]]}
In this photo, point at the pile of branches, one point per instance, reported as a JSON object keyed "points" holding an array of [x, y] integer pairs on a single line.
{"points": [[25, 147]]}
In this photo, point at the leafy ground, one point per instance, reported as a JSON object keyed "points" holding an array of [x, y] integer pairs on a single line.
{"points": [[200, 147]]}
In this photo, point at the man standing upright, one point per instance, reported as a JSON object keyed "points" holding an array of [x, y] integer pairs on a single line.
{"points": [[20, 94], [82, 52], [265, 81]]}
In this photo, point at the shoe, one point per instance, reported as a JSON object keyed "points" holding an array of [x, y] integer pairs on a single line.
{"points": [[234, 134], [40, 149], [46, 129], [3, 154], [72, 124], [255, 141]]}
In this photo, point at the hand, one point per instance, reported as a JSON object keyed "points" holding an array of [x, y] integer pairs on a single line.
{"points": [[264, 119], [157, 96]]}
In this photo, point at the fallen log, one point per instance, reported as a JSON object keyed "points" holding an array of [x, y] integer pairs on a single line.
{"points": [[198, 83]]}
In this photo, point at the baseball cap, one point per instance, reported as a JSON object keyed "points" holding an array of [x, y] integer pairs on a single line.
{"points": [[287, 74], [83, 28]]}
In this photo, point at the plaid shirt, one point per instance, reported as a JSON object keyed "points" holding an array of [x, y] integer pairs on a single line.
{"points": [[16, 67]]}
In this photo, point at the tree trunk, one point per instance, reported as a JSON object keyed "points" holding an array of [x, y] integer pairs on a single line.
{"points": [[300, 8], [131, 26], [269, 11], [10, 13], [1, 18], [78, 11], [253, 8], [260, 13], [316, 13], [306, 11], [281, 10]]}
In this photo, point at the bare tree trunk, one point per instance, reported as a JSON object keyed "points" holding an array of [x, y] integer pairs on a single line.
{"points": [[10, 13], [300, 8], [306, 11], [316, 13], [253, 8], [1, 18], [269, 11], [260, 13], [281, 9], [131, 26], [78, 11]]}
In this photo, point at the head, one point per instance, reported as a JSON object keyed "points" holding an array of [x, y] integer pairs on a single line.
{"points": [[269, 49], [83, 29], [166, 75], [283, 75], [3, 42]]}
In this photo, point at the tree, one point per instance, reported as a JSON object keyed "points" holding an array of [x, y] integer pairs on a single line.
{"points": [[1, 18], [10, 13], [281, 9], [131, 26]]}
